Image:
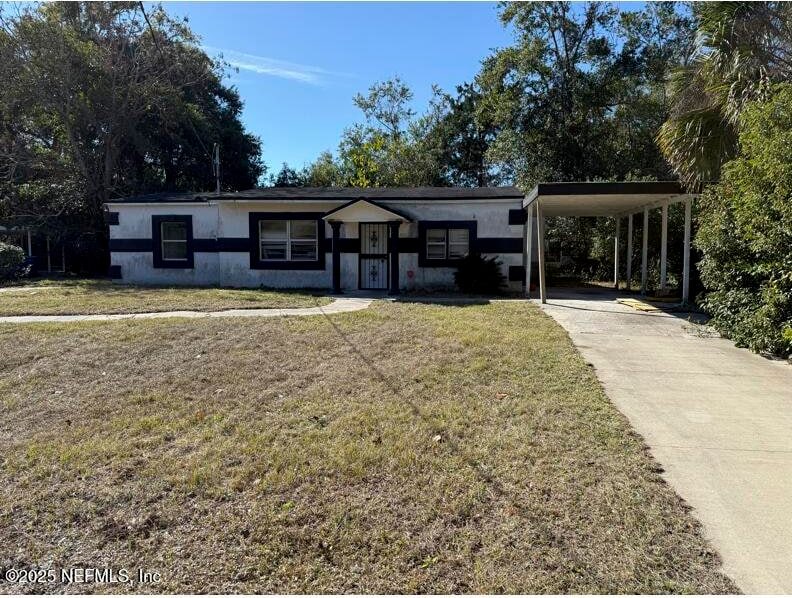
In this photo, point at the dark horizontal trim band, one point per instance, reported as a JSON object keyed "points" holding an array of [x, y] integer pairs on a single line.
{"points": [[604, 188], [205, 245], [120, 245], [242, 245], [223, 245], [233, 244], [229, 244], [347, 245], [286, 265], [499, 245]]}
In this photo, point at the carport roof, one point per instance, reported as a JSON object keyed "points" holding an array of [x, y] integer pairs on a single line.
{"points": [[602, 199]]}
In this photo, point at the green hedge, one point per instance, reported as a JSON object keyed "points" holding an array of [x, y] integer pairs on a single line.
{"points": [[10, 256], [745, 232]]}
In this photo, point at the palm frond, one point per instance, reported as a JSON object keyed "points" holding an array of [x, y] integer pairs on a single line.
{"points": [[741, 48], [697, 144]]}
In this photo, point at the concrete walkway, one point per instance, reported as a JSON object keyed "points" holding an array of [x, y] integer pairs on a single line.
{"points": [[718, 418], [339, 305], [13, 289]]}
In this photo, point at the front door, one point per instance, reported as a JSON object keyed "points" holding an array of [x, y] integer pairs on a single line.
{"points": [[373, 264]]}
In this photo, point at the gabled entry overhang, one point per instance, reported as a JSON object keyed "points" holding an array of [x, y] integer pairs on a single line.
{"points": [[367, 213], [365, 210]]}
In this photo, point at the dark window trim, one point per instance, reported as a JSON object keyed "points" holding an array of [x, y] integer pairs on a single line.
{"points": [[156, 236], [424, 225], [256, 263]]}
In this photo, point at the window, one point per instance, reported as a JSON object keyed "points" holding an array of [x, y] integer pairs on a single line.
{"points": [[274, 239], [436, 243], [458, 243], [447, 243], [442, 243], [303, 241], [288, 240], [173, 237]]}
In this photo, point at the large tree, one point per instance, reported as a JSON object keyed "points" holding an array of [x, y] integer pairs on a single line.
{"points": [[100, 100], [463, 130], [392, 147], [288, 177], [580, 93]]}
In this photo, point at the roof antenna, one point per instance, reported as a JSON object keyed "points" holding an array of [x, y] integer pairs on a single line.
{"points": [[216, 166]]}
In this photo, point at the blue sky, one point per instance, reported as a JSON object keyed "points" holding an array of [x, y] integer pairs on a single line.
{"points": [[300, 64]]}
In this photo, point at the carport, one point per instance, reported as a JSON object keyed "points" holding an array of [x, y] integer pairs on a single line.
{"points": [[614, 200]]}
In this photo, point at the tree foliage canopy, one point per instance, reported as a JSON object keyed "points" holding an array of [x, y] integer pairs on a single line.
{"points": [[580, 94], [98, 103]]}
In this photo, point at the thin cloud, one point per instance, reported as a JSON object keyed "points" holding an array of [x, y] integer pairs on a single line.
{"points": [[272, 67]]}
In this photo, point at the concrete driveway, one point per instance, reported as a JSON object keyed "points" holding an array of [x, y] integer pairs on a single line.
{"points": [[718, 418]]}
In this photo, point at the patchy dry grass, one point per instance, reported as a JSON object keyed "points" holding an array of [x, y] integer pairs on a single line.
{"points": [[404, 448], [57, 297]]}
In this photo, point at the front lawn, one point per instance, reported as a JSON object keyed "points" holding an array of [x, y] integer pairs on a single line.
{"points": [[404, 448], [63, 297]]}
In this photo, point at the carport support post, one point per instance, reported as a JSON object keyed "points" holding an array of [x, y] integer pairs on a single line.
{"points": [[541, 249], [664, 248], [527, 251], [629, 250], [336, 226], [645, 251], [616, 254], [686, 256]]}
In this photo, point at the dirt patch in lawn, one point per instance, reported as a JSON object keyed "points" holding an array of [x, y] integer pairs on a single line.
{"points": [[104, 297], [405, 448]]}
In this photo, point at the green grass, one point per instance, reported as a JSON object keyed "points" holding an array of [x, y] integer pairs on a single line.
{"points": [[68, 296], [404, 448]]}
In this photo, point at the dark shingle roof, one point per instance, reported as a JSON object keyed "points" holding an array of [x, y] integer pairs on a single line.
{"points": [[339, 193], [163, 197]]}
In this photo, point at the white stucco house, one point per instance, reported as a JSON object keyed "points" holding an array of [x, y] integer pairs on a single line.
{"points": [[339, 239]]}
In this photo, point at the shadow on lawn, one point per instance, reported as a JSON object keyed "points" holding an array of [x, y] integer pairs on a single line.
{"points": [[480, 472], [455, 301]]}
